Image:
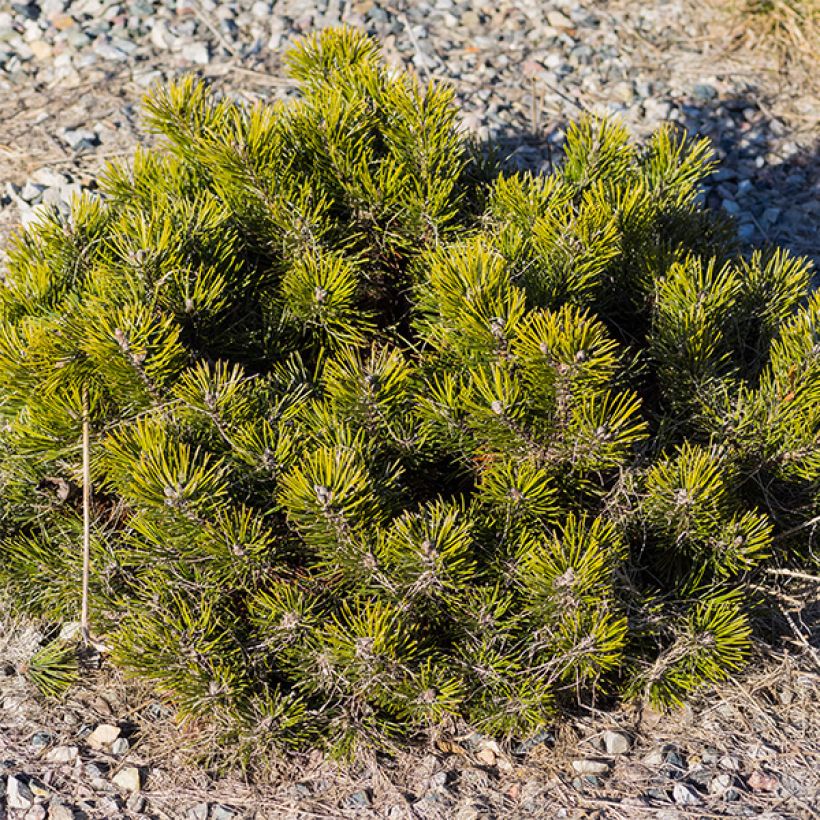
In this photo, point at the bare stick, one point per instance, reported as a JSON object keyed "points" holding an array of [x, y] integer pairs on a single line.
{"points": [[812, 522], [86, 520]]}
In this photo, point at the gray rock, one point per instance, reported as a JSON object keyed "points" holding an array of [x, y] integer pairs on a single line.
{"points": [[198, 812], [80, 139], [59, 811], [110, 52], [120, 746], [196, 53], [616, 743], [62, 754], [18, 794], [40, 740], [31, 192], [730, 206], [358, 800], [220, 812], [685, 795]]}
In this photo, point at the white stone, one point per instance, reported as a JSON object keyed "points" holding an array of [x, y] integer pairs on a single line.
{"points": [[18, 794], [685, 796], [59, 811], [161, 38], [62, 754], [103, 736], [128, 779], [616, 743], [559, 20], [590, 766], [196, 53]]}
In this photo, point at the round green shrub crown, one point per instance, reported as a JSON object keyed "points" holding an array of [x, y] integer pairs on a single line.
{"points": [[385, 438]]}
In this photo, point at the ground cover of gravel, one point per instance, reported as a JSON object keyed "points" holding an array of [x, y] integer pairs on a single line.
{"points": [[71, 76]]}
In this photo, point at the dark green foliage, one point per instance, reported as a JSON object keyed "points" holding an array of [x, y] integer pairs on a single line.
{"points": [[380, 441]]}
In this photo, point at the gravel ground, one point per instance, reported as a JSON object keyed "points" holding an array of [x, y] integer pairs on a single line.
{"points": [[71, 76]]}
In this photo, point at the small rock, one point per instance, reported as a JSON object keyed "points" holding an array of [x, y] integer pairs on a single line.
{"points": [[729, 763], [62, 754], [731, 207], [62, 22], [559, 20], [655, 758], [704, 92], [18, 794], [128, 779], [36, 812], [589, 766], [699, 776], [220, 812], [673, 759], [536, 740], [96, 769], [80, 139], [59, 811], [616, 743], [110, 806], [161, 37], [40, 740], [438, 780], [358, 800], [685, 795], [41, 49], [198, 812], [136, 803], [746, 232], [120, 746], [762, 782], [720, 783], [103, 736], [196, 53], [32, 191]]}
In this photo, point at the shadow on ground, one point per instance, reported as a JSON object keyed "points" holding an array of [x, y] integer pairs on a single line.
{"points": [[767, 182]]}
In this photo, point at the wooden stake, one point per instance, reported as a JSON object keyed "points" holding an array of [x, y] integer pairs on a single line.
{"points": [[84, 630]]}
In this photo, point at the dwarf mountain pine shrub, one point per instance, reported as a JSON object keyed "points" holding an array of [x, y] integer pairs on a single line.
{"points": [[384, 438]]}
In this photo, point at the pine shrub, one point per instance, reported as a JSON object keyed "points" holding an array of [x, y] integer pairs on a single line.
{"points": [[385, 438]]}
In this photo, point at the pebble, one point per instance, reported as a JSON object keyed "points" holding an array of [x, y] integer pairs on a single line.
{"points": [[358, 800], [120, 746], [685, 795], [198, 812], [590, 766], [196, 53], [40, 740], [18, 794], [729, 763], [80, 139], [103, 736], [62, 754], [220, 812], [59, 811], [720, 783], [128, 779], [616, 743]]}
